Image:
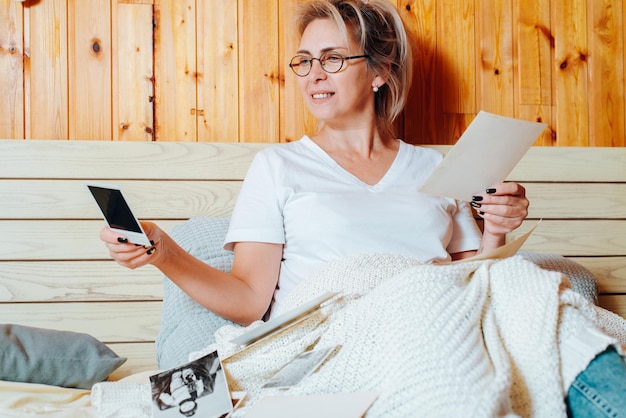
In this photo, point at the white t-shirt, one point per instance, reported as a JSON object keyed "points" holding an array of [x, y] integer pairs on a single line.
{"points": [[296, 195]]}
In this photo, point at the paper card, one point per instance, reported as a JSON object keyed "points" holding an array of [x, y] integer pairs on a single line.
{"points": [[486, 153], [300, 367], [507, 250], [336, 405], [282, 321], [195, 388], [237, 398]]}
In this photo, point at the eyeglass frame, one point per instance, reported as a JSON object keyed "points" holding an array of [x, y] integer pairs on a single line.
{"points": [[343, 60]]}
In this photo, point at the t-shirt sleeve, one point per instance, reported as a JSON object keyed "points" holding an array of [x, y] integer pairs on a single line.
{"points": [[466, 235], [257, 216]]}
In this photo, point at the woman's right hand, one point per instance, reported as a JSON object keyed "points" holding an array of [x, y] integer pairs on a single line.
{"points": [[131, 255]]}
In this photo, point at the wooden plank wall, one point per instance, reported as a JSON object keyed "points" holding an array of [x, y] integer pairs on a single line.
{"points": [[214, 70]]}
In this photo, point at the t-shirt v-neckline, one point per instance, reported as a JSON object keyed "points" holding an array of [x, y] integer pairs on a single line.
{"points": [[330, 162]]}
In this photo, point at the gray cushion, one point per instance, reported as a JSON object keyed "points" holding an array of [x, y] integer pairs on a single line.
{"points": [[583, 281], [187, 326], [51, 357]]}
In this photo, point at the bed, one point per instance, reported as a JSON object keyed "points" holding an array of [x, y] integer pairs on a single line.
{"points": [[55, 274]]}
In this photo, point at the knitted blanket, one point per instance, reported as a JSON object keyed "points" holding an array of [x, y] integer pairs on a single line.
{"points": [[481, 339]]}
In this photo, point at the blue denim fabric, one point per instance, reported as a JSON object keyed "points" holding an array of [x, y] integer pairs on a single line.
{"points": [[600, 390]]}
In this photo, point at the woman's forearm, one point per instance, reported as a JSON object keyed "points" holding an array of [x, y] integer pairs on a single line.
{"points": [[491, 242], [224, 294]]}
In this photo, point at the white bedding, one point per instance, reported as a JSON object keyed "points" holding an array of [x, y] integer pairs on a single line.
{"points": [[32, 400], [487, 338], [493, 338]]}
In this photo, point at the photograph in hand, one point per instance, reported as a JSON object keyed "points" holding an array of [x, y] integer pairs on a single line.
{"points": [[117, 213]]}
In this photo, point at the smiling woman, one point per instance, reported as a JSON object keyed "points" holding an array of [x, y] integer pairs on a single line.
{"points": [[350, 188], [375, 33]]}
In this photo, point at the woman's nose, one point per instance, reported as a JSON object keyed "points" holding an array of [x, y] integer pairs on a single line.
{"points": [[316, 70]]}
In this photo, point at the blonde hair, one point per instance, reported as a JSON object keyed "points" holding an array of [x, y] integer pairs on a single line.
{"points": [[377, 28]]}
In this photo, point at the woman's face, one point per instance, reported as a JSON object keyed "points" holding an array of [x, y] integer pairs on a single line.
{"points": [[342, 99]]}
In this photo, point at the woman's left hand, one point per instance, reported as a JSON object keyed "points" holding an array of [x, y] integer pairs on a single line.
{"points": [[503, 208]]}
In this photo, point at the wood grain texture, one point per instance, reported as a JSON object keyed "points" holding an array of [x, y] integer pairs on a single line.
{"points": [[606, 73], [571, 164], [614, 303], [176, 70], [77, 281], [495, 64], [575, 237], [12, 57], [110, 322], [48, 77], [89, 55], [259, 76], [70, 199], [57, 240], [423, 110], [154, 160], [134, 98], [534, 46], [218, 63], [610, 272], [456, 39], [576, 200], [572, 71], [141, 357]]}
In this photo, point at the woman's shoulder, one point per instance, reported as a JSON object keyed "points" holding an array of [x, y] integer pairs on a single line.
{"points": [[286, 149], [421, 152], [278, 158]]}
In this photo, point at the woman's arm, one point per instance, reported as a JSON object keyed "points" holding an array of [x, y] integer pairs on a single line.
{"points": [[241, 296]]}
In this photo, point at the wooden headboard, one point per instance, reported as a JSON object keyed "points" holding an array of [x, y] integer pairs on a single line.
{"points": [[56, 273]]}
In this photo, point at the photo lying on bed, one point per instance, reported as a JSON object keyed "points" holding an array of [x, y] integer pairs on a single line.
{"points": [[195, 388]]}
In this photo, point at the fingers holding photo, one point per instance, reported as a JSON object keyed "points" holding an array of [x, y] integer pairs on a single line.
{"points": [[127, 253], [503, 207]]}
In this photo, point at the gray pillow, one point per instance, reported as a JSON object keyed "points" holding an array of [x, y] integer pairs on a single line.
{"points": [[582, 280], [52, 357], [187, 326]]}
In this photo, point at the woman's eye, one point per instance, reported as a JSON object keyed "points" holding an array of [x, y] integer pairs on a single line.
{"points": [[332, 58]]}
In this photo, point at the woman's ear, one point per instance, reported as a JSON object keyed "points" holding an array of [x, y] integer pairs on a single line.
{"points": [[378, 83], [381, 80]]}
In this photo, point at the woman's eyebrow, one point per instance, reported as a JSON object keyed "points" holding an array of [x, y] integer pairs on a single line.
{"points": [[331, 48]]}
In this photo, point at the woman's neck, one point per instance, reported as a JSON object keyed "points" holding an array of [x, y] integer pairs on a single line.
{"points": [[362, 143], [364, 154]]}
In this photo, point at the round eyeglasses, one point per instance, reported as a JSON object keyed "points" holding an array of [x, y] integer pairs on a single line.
{"points": [[331, 62]]}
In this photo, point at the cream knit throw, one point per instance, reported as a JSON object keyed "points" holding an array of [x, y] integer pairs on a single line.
{"points": [[480, 339]]}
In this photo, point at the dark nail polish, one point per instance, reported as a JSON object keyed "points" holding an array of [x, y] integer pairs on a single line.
{"points": [[122, 240], [151, 251], [476, 205], [151, 242], [490, 191], [481, 213], [477, 198]]}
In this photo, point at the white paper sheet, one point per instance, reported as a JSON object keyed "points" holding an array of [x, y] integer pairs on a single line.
{"points": [[507, 250], [337, 405], [485, 154]]}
